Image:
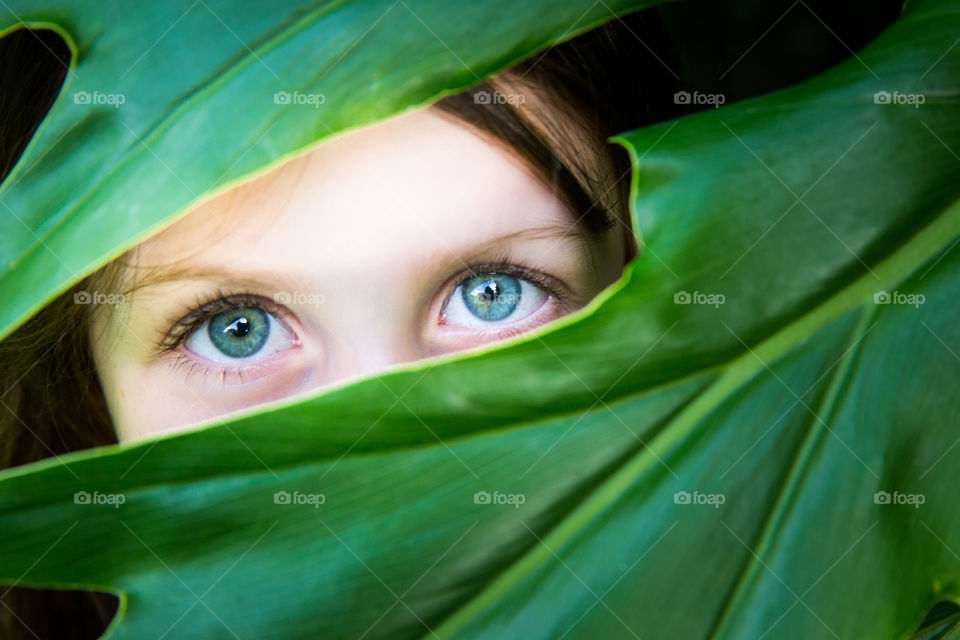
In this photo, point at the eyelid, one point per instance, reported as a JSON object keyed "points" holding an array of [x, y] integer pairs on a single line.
{"points": [[205, 308]]}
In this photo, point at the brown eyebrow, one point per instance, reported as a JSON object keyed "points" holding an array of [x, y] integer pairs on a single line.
{"points": [[585, 238], [149, 276]]}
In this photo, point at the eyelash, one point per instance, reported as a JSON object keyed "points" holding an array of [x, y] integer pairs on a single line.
{"points": [[207, 307]]}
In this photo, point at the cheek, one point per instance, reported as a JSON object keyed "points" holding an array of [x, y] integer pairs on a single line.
{"points": [[139, 410], [147, 400]]}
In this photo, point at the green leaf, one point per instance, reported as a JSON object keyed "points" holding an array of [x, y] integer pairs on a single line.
{"points": [[164, 106], [785, 409]]}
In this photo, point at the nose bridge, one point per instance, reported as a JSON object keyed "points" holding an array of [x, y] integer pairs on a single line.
{"points": [[368, 337], [366, 356]]}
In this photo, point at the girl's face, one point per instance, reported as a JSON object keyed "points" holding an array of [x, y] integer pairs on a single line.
{"points": [[411, 238]]}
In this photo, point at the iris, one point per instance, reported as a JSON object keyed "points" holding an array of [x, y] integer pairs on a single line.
{"points": [[239, 332], [491, 296]]}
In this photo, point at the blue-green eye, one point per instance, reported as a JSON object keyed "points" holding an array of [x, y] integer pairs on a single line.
{"points": [[492, 298], [239, 333]]}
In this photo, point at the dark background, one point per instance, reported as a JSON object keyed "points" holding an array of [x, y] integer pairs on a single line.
{"points": [[744, 48], [738, 48]]}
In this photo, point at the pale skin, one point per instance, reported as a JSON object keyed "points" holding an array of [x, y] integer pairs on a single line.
{"points": [[351, 257]]}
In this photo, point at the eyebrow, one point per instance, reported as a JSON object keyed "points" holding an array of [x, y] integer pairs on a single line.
{"points": [[575, 232]]}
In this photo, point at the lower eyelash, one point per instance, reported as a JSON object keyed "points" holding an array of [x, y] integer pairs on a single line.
{"points": [[522, 327], [509, 332], [191, 367]]}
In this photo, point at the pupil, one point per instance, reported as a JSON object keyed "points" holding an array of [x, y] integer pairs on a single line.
{"points": [[239, 327], [490, 292]]}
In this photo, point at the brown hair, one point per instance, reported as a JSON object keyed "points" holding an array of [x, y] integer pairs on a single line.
{"points": [[574, 96]]}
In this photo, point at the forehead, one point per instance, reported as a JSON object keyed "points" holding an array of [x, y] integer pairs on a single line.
{"points": [[409, 187]]}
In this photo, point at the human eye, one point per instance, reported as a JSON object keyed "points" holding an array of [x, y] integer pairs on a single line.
{"points": [[232, 331], [504, 299]]}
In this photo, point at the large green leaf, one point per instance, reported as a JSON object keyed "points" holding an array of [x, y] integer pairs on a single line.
{"points": [[796, 400], [195, 82]]}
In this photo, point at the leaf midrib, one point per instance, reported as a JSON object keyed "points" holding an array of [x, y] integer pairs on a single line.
{"points": [[801, 458], [896, 267]]}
